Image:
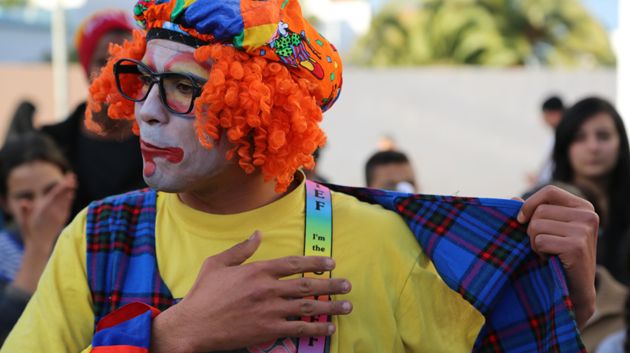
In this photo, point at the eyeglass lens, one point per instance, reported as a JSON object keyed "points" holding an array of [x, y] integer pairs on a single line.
{"points": [[136, 80]]}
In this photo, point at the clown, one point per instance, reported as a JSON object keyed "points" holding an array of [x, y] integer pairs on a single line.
{"points": [[232, 250]]}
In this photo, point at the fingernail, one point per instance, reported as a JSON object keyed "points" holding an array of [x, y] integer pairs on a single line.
{"points": [[520, 217], [330, 264], [345, 286], [331, 329], [345, 306]]}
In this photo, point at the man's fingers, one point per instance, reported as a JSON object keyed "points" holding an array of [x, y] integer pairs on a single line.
{"points": [[312, 307], [566, 214], [292, 265], [573, 236], [547, 226], [555, 228], [237, 254], [550, 244], [305, 287], [305, 329], [551, 195], [566, 248]]}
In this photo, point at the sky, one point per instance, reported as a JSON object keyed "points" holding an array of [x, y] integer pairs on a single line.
{"points": [[605, 10]]}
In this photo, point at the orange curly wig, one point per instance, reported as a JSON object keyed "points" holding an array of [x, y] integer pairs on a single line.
{"points": [[269, 116]]}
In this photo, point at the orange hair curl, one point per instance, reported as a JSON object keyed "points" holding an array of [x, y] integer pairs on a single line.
{"points": [[103, 90], [271, 117]]}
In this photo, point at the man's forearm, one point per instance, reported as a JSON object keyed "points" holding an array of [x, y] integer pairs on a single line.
{"points": [[164, 339]]}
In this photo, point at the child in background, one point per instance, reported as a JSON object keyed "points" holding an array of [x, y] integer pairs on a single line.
{"points": [[36, 190]]}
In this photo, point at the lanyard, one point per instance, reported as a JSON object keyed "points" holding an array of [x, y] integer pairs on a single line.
{"points": [[317, 242]]}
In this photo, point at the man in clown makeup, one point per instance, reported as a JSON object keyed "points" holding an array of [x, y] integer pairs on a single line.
{"points": [[231, 250]]}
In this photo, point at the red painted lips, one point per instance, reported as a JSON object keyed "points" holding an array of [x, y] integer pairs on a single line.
{"points": [[149, 152]]}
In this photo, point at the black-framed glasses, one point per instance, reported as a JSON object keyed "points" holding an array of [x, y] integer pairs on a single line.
{"points": [[178, 91]]}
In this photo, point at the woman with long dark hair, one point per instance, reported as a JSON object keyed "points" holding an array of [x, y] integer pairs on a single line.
{"points": [[592, 153]]}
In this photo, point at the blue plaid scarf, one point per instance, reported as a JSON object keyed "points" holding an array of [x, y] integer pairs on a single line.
{"points": [[476, 245]]}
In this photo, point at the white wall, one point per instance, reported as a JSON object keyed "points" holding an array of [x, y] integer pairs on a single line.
{"points": [[468, 131]]}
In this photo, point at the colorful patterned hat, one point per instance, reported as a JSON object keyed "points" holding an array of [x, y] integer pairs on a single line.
{"points": [[273, 29]]}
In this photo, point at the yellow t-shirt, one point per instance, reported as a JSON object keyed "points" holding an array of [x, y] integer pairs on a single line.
{"points": [[400, 303]]}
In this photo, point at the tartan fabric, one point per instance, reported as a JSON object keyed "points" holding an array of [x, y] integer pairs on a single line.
{"points": [[126, 330], [121, 263], [483, 253], [476, 245]]}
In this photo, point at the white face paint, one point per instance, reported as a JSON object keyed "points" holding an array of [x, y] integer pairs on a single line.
{"points": [[174, 159]]}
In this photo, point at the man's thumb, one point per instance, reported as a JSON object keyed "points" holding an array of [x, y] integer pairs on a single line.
{"points": [[240, 252]]}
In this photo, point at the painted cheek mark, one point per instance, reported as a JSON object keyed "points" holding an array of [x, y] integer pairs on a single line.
{"points": [[186, 63], [177, 58], [180, 107]]}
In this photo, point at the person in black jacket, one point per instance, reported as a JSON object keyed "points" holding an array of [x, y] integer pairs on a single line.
{"points": [[105, 164]]}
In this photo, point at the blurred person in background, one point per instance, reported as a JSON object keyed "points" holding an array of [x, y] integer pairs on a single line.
{"points": [[390, 170], [592, 153], [552, 111], [36, 190], [610, 315], [386, 143], [108, 162], [20, 123], [22, 120], [616, 341]]}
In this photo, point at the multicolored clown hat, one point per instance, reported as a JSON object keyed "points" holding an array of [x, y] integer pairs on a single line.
{"points": [[272, 29]]}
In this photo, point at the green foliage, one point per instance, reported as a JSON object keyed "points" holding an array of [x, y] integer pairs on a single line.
{"points": [[484, 32], [12, 3]]}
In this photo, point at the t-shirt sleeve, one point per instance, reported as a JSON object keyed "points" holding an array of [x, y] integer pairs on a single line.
{"points": [[433, 318], [59, 316]]}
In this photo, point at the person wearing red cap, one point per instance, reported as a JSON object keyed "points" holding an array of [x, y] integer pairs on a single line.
{"points": [[227, 98], [94, 36], [117, 151]]}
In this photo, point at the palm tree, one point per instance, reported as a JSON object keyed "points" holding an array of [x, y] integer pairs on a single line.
{"points": [[484, 32]]}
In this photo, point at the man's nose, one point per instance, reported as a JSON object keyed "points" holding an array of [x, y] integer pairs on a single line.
{"points": [[151, 111]]}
